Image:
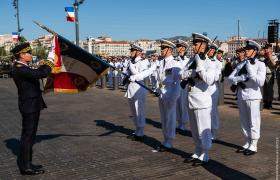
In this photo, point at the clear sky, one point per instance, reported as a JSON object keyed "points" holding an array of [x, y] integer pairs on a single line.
{"points": [[151, 19]]}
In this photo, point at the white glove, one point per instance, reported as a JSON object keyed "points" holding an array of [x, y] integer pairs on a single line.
{"points": [[199, 63], [188, 74], [242, 78], [132, 78], [51, 56]]}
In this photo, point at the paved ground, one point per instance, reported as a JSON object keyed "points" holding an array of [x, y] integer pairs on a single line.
{"points": [[83, 136]]}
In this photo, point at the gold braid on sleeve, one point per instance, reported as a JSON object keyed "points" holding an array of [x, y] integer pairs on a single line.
{"points": [[48, 63]]}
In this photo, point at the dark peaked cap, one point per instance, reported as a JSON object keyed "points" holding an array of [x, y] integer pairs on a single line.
{"points": [[21, 48]]}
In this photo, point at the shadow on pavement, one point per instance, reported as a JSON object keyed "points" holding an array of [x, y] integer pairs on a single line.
{"points": [[149, 141], [275, 113], [13, 144], [225, 172], [178, 131], [217, 141], [213, 167]]}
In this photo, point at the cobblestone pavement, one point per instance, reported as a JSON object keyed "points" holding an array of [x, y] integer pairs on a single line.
{"points": [[83, 136]]}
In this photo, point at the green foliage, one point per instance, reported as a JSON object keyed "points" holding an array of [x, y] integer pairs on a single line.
{"points": [[2, 51], [40, 52], [22, 39]]}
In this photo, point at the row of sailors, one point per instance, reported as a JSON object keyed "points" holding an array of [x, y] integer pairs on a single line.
{"points": [[198, 100]]}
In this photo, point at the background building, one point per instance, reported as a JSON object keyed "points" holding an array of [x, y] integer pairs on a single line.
{"points": [[6, 41]]}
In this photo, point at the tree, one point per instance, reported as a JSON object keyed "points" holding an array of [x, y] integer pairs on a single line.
{"points": [[2, 51], [22, 39], [40, 51]]}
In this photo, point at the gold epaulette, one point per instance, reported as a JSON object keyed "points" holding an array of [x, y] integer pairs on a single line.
{"points": [[19, 65]]}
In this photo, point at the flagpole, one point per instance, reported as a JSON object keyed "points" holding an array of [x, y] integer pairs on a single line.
{"points": [[76, 6], [16, 6]]}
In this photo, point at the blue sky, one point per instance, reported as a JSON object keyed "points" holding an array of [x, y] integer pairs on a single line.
{"points": [[150, 19]]}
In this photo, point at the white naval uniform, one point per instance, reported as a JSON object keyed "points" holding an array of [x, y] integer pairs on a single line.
{"points": [[124, 69], [154, 75], [168, 86], [216, 65], [248, 100], [110, 74], [136, 96], [200, 103], [182, 103]]}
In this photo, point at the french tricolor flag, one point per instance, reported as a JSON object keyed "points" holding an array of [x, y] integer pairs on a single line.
{"points": [[70, 16], [15, 36]]}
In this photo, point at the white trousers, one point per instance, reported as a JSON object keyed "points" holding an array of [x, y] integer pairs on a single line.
{"points": [[110, 80], [215, 117], [182, 108], [250, 118], [200, 123], [137, 107], [168, 118]]}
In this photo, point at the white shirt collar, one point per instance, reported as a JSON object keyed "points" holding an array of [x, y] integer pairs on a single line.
{"points": [[138, 58], [21, 63], [169, 58]]}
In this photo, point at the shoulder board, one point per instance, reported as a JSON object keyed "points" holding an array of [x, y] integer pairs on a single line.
{"points": [[19, 65]]}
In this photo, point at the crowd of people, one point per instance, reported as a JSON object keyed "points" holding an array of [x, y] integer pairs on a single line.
{"points": [[187, 89]]}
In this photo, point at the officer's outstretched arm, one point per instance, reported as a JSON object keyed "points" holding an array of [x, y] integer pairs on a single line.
{"points": [[144, 74], [42, 72], [232, 80]]}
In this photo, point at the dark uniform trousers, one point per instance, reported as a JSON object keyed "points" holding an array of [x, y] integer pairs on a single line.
{"points": [[278, 81], [268, 90], [30, 104]]}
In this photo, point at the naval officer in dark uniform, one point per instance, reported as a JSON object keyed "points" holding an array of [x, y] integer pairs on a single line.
{"points": [[30, 103]]}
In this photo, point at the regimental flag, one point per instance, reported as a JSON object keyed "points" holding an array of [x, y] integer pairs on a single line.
{"points": [[70, 14], [15, 36], [75, 69]]}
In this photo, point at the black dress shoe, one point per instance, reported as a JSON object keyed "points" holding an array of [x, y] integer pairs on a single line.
{"points": [[33, 166], [162, 148], [134, 137], [32, 171], [248, 152], [214, 140], [240, 150], [189, 159], [198, 162]]}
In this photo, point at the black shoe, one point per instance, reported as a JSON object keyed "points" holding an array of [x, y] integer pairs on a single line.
{"points": [[198, 162], [33, 166], [162, 148], [134, 137], [32, 171], [189, 159], [248, 152], [240, 150]]}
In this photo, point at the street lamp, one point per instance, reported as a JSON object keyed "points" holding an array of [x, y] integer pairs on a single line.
{"points": [[16, 6], [76, 6]]}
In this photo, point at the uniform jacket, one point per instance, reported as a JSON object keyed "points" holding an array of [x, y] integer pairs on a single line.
{"points": [[199, 96], [27, 81], [216, 65], [135, 67], [168, 78], [255, 82]]}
